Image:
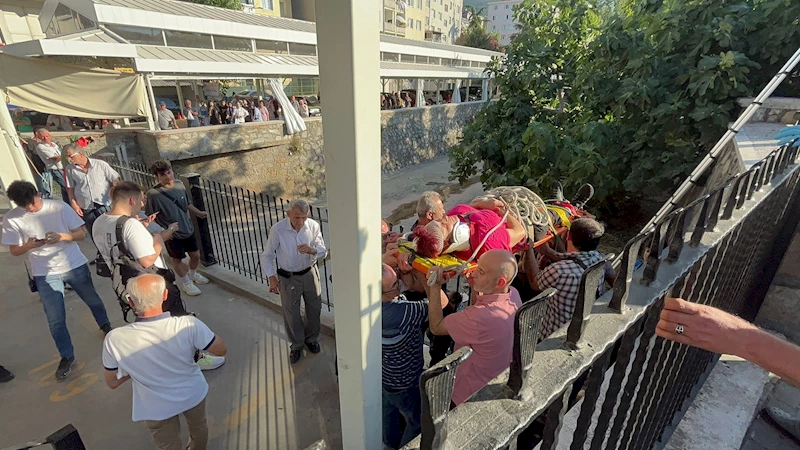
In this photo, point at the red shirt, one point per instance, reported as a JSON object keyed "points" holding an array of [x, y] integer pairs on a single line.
{"points": [[481, 222]]}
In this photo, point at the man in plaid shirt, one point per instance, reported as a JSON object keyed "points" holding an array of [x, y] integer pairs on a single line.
{"points": [[565, 273]]}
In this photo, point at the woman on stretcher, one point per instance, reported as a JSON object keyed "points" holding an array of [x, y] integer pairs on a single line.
{"points": [[468, 231]]}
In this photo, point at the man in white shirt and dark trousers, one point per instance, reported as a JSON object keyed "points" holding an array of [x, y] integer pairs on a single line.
{"points": [[157, 353], [293, 247], [50, 153], [47, 230], [89, 181], [144, 248]]}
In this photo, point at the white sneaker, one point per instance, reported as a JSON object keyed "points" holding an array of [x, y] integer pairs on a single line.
{"points": [[208, 361], [189, 289], [198, 279]]}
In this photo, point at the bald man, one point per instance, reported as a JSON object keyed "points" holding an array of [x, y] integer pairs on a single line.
{"points": [[157, 353], [487, 325], [402, 320]]}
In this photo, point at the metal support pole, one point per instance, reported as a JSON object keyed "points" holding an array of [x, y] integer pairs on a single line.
{"points": [[151, 122], [201, 229], [348, 65]]}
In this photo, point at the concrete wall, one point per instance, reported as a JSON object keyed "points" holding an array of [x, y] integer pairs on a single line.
{"points": [[781, 309], [775, 110], [261, 157]]}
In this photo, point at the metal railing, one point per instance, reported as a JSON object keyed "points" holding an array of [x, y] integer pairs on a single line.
{"points": [[237, 227], [605, 380]]}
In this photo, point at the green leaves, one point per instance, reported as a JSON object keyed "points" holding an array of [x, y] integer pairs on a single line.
{"points": [[627, 96]]}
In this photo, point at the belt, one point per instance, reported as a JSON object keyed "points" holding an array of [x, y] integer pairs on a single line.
{"points": [[287, 274]]}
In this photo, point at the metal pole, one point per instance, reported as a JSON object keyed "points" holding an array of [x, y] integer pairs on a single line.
{"points": [[151, 122], [708, 160], [349, 56]]}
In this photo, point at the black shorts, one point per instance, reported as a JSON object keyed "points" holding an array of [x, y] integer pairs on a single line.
{"points": [[178, 248]]}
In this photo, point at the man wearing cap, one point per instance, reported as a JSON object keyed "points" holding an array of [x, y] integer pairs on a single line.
{"points": [[166, 120], [89, 181], [565, 273]]}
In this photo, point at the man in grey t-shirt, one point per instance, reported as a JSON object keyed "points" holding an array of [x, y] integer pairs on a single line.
{"points": [[166, 120], [170, 200]]}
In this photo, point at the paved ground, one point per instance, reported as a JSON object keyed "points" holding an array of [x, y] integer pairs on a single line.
{"points": [[257, 400], [762, 435], [755, 141]]}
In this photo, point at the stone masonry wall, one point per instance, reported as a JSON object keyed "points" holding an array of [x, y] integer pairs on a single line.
{"points": [[262, 158]]}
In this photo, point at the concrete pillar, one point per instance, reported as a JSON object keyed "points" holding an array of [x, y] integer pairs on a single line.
{"points": [[485, 89], [420, 93], [349, 65], [152, 124]]}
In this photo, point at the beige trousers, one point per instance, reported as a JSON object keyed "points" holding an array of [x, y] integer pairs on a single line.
{"points": [[167, 433]]}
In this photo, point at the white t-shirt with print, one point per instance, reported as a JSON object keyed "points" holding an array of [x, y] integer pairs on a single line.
{"points": [[158, 354], [20, 225], [137, 239]]}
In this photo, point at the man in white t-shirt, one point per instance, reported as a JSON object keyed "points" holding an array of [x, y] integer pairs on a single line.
{"points": [[157, 353], [50, 153], [127, 199], [47, 230]]}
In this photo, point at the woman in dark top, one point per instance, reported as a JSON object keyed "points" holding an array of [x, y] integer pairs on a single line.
{"points": [[249, 109], [214, 116]]}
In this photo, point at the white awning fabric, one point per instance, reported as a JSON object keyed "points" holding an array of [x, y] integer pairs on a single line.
{"points": [[73, 91]]}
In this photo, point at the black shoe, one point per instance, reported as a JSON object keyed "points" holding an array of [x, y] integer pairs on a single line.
{"points": [[64, 368], [106, 329], [585, 193], [295, 355], [92, 262], [313, 347], [558, 192], [5, 375]]}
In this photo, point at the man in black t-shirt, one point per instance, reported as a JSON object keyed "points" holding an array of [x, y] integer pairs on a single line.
{"points": [[170, 200]]}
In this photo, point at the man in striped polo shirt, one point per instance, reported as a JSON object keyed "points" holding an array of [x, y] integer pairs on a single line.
{"points": [[402, 359]]}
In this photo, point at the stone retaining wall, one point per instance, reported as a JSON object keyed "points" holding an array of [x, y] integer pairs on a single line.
{"points": [[263, 158], [775, 110]]}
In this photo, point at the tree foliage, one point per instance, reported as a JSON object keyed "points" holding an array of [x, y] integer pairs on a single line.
{"points": [[228, 4], [475, 34], [626, 96]]}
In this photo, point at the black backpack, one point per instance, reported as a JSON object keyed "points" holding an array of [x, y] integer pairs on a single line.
{"points": [[125, 267]]}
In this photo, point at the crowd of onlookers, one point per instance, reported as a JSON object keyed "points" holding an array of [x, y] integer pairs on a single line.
{"points": [[234, 111]]}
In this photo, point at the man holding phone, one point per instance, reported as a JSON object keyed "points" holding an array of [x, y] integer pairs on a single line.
{"points": [[290, 261], [47, 231]]}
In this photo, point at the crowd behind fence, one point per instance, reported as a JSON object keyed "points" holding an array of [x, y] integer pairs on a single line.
{"points": [[235, 232]]}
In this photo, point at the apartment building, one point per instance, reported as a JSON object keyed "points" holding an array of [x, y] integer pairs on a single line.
{"points": [[443, 20], [500, 17]]}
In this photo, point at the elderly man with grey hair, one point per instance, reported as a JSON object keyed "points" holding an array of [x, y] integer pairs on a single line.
{"points": [[429, 208], [290, 262], [157, 352]]}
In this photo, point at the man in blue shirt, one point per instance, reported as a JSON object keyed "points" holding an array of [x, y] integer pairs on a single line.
{"points": [[402, 360]]}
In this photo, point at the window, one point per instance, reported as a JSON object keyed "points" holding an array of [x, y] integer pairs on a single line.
{"points": [[432, 60], [407, 58], [302, 49], [411, 23], [447, 61], [184, 39], [495, 7], [421, 59], [493, 27], [270, 47], [419, 25], [494, 17], [66, 21], [445, 8], [445, 23], [429, 3], [389, 56], [233, 43], [506, 16], [419, 4], [267, 4], [247, 2], [440, 17], [136, 35], [507, 6]]}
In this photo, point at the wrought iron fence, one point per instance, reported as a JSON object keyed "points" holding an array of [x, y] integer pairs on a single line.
{"points": [[236, 230], [606, 381]]}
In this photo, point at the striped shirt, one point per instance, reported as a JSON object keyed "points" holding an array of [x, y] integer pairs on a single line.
{"points": [[402, 341], [93, 185]]}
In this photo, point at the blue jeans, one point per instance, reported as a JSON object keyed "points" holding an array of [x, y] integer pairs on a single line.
{"points": [[51, 292], [48, 176], [404, 402]]}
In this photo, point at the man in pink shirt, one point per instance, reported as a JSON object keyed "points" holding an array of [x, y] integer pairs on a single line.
{"points": [[487, 325]]}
